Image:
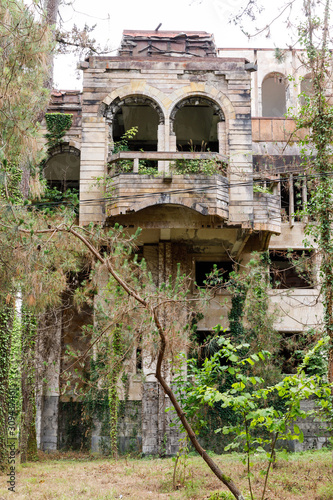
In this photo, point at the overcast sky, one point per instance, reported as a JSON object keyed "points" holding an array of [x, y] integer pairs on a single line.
{"points": [[112, 17]]}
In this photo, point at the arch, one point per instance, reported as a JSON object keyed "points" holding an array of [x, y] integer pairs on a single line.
{"points": [[168, 199], [62, 167], [194, 121], [273, 95], [114, 107], [136, 87], [206, 91], [196, 100]]}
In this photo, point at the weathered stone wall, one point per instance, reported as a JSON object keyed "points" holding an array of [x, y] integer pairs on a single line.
{"points": [[167, 82]]}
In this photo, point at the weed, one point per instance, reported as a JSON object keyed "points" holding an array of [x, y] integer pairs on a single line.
{"points": [[221, 495], [325, 492]]}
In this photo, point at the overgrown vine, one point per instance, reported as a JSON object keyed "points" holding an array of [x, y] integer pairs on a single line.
{"points": [[57, 125]]}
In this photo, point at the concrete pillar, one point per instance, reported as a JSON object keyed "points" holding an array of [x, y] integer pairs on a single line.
{"points": [[161, 147], [95, 137], [49, 344], [222, 138]]}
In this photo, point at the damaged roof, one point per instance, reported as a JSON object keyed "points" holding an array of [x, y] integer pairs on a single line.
{"points": [[167, 43]]}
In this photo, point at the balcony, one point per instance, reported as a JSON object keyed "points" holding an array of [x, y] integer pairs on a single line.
{"points": [[133, 191], [205, 193]]}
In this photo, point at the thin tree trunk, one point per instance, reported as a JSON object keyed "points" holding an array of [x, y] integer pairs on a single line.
{"points": [[28, 441], [209, 461], [51, 8], [6, 316]]}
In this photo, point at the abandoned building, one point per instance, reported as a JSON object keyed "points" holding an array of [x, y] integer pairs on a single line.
{"points": [[190, 101]]}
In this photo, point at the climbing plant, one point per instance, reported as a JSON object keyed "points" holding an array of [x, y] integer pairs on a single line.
{"points": [[114, 376], [57, 125], [6, 319], [316, 118], [28, 442]]}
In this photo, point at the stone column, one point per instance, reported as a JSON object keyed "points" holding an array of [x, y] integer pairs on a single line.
{"points": [[93, 164], [49, 352], [222, 138], [161, 146]]}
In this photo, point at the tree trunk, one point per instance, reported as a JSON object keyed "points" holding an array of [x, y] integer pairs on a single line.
{"points": [[6, 316], [51, 8], [28, 441]]}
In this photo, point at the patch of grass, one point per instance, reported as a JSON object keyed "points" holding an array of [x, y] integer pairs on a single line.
{"points": [[325, 492], [63, 477], [221, 495]]}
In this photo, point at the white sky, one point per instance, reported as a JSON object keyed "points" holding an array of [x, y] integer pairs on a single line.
{"points": [[113, 16]]}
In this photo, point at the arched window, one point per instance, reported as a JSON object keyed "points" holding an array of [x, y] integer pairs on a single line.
{"points": [[135, 111], [274, 96], [62, 169], [194, 122]]}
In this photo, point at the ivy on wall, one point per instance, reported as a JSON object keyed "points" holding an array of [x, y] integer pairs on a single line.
{"points": [[6, 318], [57, 125]]}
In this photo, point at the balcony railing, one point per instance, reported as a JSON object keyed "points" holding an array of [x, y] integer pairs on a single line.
{"points": [[165, 156], [130, 192]]}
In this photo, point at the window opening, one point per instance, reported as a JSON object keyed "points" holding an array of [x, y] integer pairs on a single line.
{"points": [[274, 96], [291, 270], [63, 172], [221, 271], [294, 196], [291, 352]]}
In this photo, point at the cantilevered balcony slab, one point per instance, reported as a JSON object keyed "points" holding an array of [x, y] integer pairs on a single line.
{"points": [[132, 192], [207, 195]]}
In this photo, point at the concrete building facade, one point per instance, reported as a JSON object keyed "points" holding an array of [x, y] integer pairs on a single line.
{"points": [[190, 102]]}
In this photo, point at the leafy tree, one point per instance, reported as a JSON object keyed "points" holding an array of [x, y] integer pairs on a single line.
{"points": [[316, 116]]}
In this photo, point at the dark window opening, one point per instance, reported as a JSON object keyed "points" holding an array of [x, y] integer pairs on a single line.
{"points": [[138, 360], [145, 118], [219, 271], [291, 270], [293, 197], [205, 345], [196, 128], [291, 352], [62, 171]]}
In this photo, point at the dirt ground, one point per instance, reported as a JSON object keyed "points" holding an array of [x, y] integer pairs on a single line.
{"points": [[306, 476]]}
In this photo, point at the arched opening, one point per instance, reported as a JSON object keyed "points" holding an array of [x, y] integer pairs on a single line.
{"points": [[135, 111], [62, 169], [274, 96], [306, 88], [194, 122]]}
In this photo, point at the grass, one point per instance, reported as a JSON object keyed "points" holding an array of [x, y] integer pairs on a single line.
{"points": [[306, 476]]}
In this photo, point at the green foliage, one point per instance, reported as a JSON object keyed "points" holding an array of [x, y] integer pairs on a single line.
{"points": [[28, 441], [247, 398], [115, 360], [25, 42], [6, 318], [10, 180], [52, 200], [180, 470], [325, 492], [316, 117], [221, 495], [126, 166], [57, 125], [198, 166], [15, 367]]}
